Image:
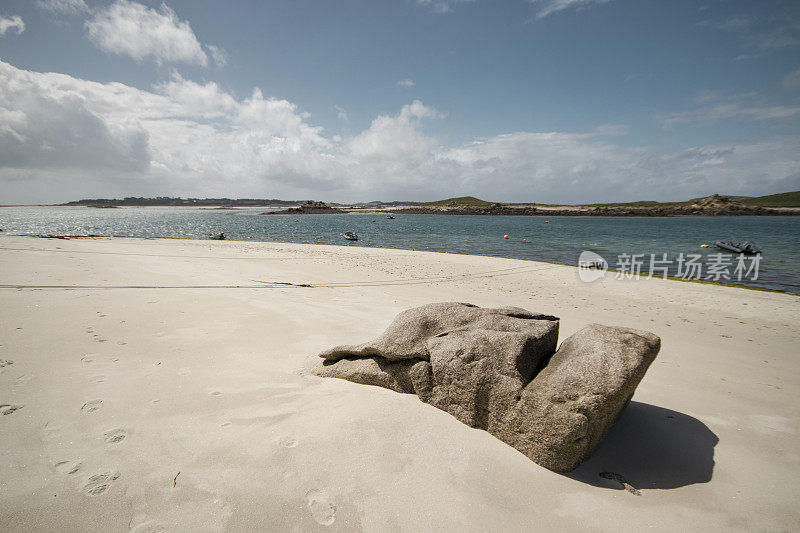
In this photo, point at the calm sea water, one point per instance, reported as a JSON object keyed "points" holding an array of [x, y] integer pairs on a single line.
{"points": [[561, 240]]}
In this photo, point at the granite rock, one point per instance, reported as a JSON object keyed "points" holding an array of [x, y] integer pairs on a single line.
{"points": [[498, 370]]}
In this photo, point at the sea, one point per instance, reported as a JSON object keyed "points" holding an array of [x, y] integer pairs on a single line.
{"points": [[632, 246]]}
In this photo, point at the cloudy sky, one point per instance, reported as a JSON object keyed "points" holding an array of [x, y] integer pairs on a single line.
{"points": [[508, 100]]}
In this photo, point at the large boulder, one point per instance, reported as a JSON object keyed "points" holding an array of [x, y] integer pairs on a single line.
{"points": [[568, 408], [496, 369]]}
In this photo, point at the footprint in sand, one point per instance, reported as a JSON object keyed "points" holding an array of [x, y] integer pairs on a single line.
{"points": [[4, 363], [216, 393], [321, 509], [288, 442], [147, 526], [52, 430], [91, 406], [99, 483], [7, 409], [98, 379], [115, 435], [87, 359], [67, 467]]}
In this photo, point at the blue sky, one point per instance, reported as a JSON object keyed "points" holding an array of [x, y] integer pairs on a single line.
{"points": [[545, 100]]}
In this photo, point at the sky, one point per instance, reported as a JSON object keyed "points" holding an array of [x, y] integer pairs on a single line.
{"points": [[550, 101]]}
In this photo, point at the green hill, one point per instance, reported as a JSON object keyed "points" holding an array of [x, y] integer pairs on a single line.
{"points": [[784, 199], [461, 200]]}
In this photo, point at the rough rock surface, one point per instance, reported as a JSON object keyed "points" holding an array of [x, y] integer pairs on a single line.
{"points": [[496, 369], [571, 404]]}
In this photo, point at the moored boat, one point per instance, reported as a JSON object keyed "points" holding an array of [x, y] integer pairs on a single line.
{"points": [[350, 236], [737, 248]]}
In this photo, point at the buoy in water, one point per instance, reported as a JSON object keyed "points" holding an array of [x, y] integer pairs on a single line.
{"points": [[546, 221], [703, 246], [505, 236], [341, 234], [524, 240]]}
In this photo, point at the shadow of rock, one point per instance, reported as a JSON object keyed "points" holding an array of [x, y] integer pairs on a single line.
{"points": [[652, 448]]}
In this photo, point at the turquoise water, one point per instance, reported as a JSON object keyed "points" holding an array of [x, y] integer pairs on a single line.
{"points": [[561, 240]]}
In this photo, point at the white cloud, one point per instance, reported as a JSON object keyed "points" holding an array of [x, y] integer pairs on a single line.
{"points": [[442, 7], [393, 153], [732, 111], [45, 123], [63, 138], [183, 135], [129, 28], [746, 106], [545, 165], [391, 137], [792, 79], [569, 167], [405, 84], [548, 7], [611, 130], [14, 22], [764, 35], [64, 7], [218, 54]]}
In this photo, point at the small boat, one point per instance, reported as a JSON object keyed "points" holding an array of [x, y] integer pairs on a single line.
{"points": [[350, 236], [390, 217], [217, 236], [738, 248]]}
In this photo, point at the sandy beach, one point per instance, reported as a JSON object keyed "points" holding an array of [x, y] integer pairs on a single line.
{"points": [[153, 385]]}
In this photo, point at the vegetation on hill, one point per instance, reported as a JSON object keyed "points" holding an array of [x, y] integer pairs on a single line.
{"points": [[461, 200], [784, 199], [787, 199]]}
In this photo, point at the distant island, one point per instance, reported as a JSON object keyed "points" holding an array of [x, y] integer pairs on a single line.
{"points": [[715, 205], [311, 207], [166, 201]]}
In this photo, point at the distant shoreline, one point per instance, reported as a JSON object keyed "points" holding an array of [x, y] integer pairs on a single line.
{"points": [[782, 204], [598, 211], [502, 210]]}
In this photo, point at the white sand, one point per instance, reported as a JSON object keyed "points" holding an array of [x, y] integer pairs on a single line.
{"points": [[206, 381]]}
